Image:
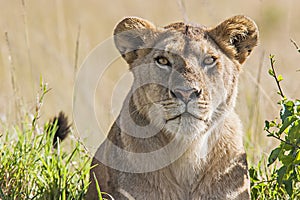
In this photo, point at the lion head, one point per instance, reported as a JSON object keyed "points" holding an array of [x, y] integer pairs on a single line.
{"points": [[185, 76]]}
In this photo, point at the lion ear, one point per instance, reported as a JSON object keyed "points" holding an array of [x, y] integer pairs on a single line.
{"points": [[236, 36], [131, 34]]}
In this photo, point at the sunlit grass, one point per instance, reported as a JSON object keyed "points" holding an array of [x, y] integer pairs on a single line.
{"points": [[30, 168]]}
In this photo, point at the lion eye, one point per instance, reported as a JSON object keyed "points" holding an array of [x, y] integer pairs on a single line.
{"points": [[162, 62], [209, 60]]}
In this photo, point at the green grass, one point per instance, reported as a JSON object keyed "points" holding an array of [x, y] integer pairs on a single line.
{"points": [[30, 168], [33, 166]]}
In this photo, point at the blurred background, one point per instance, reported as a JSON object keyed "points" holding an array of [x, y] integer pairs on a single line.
{"points": [[51, 39]]}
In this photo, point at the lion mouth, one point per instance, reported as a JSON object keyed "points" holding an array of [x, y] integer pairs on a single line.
{"points": [[185, 115]]}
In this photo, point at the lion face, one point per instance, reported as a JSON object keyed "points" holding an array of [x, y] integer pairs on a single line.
{"points": [[185, 77]]}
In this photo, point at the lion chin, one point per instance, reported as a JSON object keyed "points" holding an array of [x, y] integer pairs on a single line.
{"points": [[186, 124]]}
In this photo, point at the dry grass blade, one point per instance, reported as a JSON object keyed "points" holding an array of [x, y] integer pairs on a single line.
{"points": [[183, 10], [27, 39], [295, 44], [76, 51], [262, 90], [13, 78], [11, 62]]}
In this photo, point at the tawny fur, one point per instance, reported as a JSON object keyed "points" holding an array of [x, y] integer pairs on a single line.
{"points": [[180, 57]]}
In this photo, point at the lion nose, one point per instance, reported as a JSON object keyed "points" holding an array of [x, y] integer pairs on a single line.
{"points": [[186, 95]]}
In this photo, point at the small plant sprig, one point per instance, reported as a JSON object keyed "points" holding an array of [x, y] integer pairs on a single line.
{"points": [[283, 181], [278, 78], [39, 102]]}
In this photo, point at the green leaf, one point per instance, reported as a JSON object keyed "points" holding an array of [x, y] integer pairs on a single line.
{"points": [[297, 104], [287, 147], [41, 81], [97, 187], [279, 78], [294, 131], [281, 173], [297, 159], [289, 187], [273, 123], [286, 123], [270, 134], [253, 174], [273, 156], [271, 72], [267, 125], [287, 109], [286, 159]]}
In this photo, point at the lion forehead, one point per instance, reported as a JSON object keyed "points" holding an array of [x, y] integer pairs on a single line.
{"points": [[191, 43]]}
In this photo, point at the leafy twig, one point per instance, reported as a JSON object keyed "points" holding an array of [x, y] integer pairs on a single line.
{"points": [[277, 79], [284, 141], [298, 49]]}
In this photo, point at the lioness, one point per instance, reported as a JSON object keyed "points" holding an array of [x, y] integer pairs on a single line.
{"points": [[177, 135]]}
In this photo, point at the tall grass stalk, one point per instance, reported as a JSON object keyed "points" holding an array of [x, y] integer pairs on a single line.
{"points": [[17, 98], [183, 11], [26, 35], [76, 52]]}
